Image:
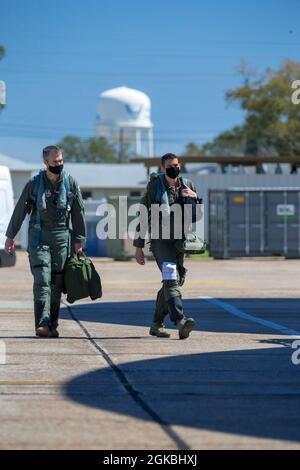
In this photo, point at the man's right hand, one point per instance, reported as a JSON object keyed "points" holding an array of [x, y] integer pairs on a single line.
{"points": [[10, 246], [139, 256]]}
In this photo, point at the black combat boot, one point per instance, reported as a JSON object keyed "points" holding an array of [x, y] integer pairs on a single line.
{"points": [[43, 329], [158, 329], [185, 326]]}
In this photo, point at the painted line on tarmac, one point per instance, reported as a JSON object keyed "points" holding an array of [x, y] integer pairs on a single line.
{"points": [[246, 316]]}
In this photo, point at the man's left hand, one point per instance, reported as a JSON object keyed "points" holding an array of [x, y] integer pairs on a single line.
{"points": [[78, 247], [188, 192]]}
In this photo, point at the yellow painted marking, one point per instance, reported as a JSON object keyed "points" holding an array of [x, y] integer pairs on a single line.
{"points": [[239, 199], [188, 282], [211, 282], [31, 382]]}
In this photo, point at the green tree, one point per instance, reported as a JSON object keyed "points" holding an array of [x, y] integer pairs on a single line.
{"points": [[192, 150], [92, 150], [230, 142], [72, 148], [272, 121], [99, 150]]}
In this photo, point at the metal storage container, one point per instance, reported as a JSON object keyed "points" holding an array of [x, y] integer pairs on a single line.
{"points": [[118, 248], [94, 246], [254, 222]]}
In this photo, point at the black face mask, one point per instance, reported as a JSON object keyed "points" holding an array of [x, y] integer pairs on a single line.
{"points": [[172, 172], [56, 170]]}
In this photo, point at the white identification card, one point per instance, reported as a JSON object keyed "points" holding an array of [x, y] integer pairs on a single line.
{"points": [[169, 271]]}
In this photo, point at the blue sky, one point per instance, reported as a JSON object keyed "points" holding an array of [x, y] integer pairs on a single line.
{"points": [[183, 54]]}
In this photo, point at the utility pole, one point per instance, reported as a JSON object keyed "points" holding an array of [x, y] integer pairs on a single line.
{"points": [[2, 83], [121, 145], [2, 93]]}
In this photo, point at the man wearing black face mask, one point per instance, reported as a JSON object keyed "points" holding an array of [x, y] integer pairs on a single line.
{"points": [[51, 198], [167, 188]]}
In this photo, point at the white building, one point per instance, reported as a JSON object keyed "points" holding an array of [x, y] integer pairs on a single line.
{"points": [[96, 180]]}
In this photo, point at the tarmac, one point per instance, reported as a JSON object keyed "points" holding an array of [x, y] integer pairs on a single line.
{"points": [[106, 384]]}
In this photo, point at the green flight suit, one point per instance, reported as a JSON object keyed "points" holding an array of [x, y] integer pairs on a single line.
{"points": [[47, 260], [168, 300]]}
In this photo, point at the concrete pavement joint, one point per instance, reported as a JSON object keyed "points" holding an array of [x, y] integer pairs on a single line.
{"points": [[180, 443]]}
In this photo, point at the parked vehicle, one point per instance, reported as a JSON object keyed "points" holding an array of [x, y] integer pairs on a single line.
{"points": [[6, 209]]}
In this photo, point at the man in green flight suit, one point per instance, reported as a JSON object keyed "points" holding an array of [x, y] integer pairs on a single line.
{"points": [[51, 198], [168, 188]]}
